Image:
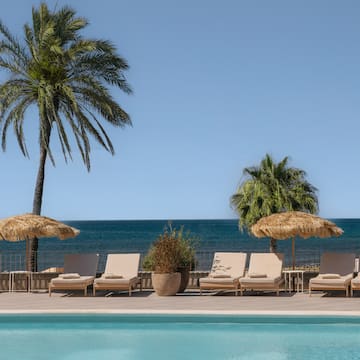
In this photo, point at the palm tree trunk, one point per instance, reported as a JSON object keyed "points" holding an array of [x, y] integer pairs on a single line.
{"points": [[273, 245], [31, 259], [39, 186]]}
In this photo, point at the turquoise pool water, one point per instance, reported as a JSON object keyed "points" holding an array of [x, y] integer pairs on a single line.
{"points": [[104, 337]]}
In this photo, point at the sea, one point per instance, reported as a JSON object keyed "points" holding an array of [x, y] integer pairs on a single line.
{"points": [[123, 236]]}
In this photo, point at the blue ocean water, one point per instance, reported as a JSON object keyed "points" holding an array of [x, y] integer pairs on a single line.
{"points": [[214, 235]]}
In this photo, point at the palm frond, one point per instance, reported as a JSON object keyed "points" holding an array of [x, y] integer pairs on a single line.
{"points": [[270, 188], [67, 77]]}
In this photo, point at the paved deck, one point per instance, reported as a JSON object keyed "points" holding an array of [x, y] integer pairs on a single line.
{"points": [[189, 303]]}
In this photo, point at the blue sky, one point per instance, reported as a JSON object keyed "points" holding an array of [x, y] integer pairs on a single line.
{"points": [[216, 86]]}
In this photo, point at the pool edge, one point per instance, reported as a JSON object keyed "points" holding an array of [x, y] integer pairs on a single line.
{"points": [[343, 313]]}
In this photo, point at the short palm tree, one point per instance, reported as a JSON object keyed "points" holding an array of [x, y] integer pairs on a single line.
{"points": [[68, 78], [272, 188]]}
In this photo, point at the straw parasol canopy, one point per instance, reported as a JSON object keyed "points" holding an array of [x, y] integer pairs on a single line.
{"points": [[29, 226], [290, 224]]}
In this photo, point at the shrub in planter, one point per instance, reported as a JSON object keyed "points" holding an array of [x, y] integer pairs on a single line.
{"points": [[172, 252]]}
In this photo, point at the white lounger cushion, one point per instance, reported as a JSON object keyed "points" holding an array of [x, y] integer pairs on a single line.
{"points": [[342, 280], [80, 280], [204, 282], [103, 281], [256, 282], [330, 276]]}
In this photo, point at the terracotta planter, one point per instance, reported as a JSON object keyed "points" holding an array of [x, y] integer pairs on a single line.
{"points": [[185, 276], [166, 284]]}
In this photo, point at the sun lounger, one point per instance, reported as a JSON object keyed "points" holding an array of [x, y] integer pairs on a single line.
{"points": [[225, 273], [79, 273], [121, 273], [336, 272], [355, 283], [264, 273]]}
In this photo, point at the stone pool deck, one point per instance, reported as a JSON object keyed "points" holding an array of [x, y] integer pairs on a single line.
{"points": [[188, 303]]}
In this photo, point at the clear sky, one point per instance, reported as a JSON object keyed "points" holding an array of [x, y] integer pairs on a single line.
{"points": [[217, 84]]}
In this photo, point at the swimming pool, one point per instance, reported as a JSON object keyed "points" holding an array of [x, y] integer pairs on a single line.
{"points": [[135, 337]]}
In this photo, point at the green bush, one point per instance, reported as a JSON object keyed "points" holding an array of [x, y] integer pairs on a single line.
{"points": [[172, 251]]}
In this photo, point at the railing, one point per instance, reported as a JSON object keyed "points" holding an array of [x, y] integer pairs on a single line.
{"points": [[14, 261]]}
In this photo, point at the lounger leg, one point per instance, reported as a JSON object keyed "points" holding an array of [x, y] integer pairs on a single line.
{"points": [[49, 290], [351, 291], [94, 290], [278, 292], [85, 291], [347, 291], [130, 290]]}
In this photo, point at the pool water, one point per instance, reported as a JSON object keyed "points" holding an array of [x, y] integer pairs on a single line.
{"points": [[103, 337]]}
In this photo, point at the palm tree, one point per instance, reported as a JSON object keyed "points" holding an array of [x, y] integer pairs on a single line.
{"points": [[68, 78], [271, 188]]}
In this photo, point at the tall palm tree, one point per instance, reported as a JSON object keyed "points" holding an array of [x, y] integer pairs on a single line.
{"points": [[68, 78], [271, 188]]}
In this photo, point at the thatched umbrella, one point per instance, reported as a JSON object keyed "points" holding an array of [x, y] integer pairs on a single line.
{"points": [[290, 224], [29, 226]]}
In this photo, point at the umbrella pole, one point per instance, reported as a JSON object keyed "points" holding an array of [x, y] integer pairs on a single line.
{"points": [[293, 253]]}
